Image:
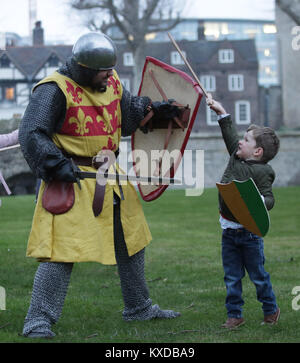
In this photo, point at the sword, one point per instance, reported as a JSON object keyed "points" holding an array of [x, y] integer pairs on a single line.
{"points": [[4, 184], [187, 64], [150, 179], [9, 147]]}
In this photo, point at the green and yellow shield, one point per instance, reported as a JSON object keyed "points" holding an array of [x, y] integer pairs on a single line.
{"points": [[245, 203]]}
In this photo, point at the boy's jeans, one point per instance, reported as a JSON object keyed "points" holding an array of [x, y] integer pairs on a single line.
{"points": [[242, 250]]}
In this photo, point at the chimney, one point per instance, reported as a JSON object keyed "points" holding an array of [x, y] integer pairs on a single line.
{"points": [[200, 30], [38, 34]]}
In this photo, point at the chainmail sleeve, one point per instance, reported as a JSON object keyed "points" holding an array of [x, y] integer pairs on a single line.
{"points": [[134, 109], [43, 116]]}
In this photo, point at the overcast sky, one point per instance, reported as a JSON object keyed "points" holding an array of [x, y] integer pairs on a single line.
{"points": [[60, 22]]}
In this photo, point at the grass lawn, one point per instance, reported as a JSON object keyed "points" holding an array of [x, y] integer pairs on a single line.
{"points": [[183, 270]]}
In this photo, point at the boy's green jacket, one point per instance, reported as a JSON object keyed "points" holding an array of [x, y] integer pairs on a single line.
{"points": [[237, 169]]}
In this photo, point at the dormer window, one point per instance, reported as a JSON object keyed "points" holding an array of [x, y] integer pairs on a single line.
{"points": [[226, 56]]}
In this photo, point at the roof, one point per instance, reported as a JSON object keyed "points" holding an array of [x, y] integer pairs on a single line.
{"points": [[30, 59]]}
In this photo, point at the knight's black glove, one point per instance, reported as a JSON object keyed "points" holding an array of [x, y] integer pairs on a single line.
{"points": [[165, 110], [65, 171]]}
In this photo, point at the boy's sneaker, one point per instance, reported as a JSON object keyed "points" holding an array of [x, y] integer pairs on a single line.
{"points": [[233, 323], [271, 319]]}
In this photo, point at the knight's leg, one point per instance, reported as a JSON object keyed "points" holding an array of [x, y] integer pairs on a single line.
{"points": [[49, 290], [138, 305]]}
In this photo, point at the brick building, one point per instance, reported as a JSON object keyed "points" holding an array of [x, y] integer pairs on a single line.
{"points": [[227, 69]]}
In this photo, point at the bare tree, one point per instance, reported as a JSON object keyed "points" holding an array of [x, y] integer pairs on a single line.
{"points": [[135, 19], [291, 8]]}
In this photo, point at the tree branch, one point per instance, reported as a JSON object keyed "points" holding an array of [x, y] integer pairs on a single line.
{"points": [[88, 5], [134, 19], [148, 12], [119, 23], [157, 28]]}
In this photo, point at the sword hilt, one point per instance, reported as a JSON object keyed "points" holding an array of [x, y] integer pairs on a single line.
{"points": [[76, 172]]}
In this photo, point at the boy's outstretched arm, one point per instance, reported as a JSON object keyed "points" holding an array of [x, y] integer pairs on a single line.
{"points": [[229, 132], [215, 106]]}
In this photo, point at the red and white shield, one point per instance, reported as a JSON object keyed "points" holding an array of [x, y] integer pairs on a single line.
{"points": [[160, 151]]}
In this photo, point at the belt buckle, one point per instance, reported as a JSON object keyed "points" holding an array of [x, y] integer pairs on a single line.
{"points": [[97, 164]]}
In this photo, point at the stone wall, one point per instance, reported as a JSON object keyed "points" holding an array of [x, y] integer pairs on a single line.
{"points": [[13, 165], [286, 164]]}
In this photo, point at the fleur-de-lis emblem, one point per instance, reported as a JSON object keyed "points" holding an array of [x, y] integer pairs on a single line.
{"points": [[115, 83], [110, 145], [106, 121], [81, 128], [75, 92]]}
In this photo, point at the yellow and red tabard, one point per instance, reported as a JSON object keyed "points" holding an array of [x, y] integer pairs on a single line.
{"points": [[92, 123]]}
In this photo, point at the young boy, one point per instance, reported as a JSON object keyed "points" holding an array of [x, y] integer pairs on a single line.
{"points": [[241, 249]]}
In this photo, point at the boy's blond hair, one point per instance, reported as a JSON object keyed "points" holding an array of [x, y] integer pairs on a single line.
{"points": [[266, 138]]}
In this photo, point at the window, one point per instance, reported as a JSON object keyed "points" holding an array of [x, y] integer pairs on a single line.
{"points": [[211, 117], [226, 56], [4, 62], [126, 83], [269, 29], [242, 112], [128, 59], [176, 58], [7, 93], [236, 82], [208, 82]]}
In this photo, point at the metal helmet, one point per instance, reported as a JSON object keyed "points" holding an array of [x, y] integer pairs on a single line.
{"points": [[96, 51]]}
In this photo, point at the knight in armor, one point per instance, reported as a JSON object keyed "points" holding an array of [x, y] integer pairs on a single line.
{"points": [[74, 113]]}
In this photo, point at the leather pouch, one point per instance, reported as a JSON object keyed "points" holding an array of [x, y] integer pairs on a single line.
{"points": [[58, 197]]}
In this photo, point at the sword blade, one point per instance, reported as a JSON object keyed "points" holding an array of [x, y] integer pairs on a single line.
{"points": [[150, 179], [9, 147], [2, 180]]}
